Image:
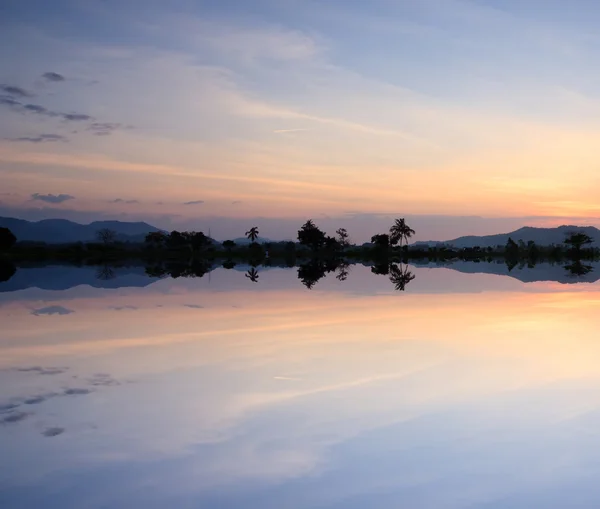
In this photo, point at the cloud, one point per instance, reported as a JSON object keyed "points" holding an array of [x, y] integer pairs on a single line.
{"points": [[40, 110], [53, 76], [52, 432], [15, 91], [193, 306], [42, 138], [104, 128], [76, 117], [52, 310], [122, 308], [120, 200], [196, 202], [52, 198], [282, 131], [44, 371], [236, 202]]}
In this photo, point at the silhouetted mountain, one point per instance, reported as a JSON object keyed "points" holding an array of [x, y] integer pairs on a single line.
{"points": [[58, 231], [241, 241], [541, 236]]}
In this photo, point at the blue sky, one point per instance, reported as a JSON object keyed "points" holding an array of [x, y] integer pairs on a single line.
{"points": [[349, 111]]}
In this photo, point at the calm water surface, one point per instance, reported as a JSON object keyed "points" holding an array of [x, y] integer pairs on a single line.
{"points": [[464, 391]]}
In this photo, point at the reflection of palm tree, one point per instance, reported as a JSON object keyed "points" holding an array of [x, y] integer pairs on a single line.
{"points": [[400, 276], [105, 273], [400, 231], [578, 269], [252, 234], [252, 274]]}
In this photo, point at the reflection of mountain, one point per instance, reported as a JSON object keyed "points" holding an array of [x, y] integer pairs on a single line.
{"points": [[539, 272], [62, 277]]}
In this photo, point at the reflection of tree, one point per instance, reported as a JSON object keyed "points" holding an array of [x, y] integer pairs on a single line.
{"points": [[343, 271], [105, 273], [310, 273], [228, 264], [252, 275], [7, 270], [578, 269], [381, 268], [400, 276]]}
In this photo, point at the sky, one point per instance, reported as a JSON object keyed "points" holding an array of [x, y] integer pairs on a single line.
{"points": [[463, 116]]}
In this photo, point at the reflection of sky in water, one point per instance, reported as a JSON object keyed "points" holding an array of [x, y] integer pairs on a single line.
{"points": [[465, 391]]}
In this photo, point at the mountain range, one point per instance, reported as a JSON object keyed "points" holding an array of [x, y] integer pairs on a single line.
{"points": [[541, 236], [62, 231]]}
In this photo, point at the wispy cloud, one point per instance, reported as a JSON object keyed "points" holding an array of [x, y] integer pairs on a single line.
{"points": [[120, 200], [52, 198], [52, 310], [283, 131], [15, 91], [42, 138], [53, 76], [195, 202]]}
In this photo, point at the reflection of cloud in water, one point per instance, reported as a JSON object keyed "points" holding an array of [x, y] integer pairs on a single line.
{"points": [[53, 432], [193, 306], [123, 308], [43, 371], [103, 379], [8, 407], [76, 392], [14, 417], [52, 310]]}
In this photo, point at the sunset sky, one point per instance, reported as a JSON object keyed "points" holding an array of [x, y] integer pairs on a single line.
{"points": [[464, 116]]}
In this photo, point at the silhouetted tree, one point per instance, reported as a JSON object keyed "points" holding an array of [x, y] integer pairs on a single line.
{"points": [[228, 264], [511, 250], [229, 245], [381, 240], [400, 276], [7, 239], [310, 235], [577, 240], [252, 275], [156, 239], [106, 235], [252, 234], [400, 231], [342, 237]]}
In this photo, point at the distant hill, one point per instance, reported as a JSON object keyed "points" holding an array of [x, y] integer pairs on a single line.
{"points": [[541, 236], [59, 231], [242, 241]]}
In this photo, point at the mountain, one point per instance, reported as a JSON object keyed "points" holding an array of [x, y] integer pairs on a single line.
{"points": [[541, 236], [242, 241], [58, 231]]}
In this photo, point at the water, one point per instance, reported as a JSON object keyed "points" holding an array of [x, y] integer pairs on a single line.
{"points": [[466, 390]]}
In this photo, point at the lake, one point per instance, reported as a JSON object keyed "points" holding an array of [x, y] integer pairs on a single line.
{"points": [[475, 387]]}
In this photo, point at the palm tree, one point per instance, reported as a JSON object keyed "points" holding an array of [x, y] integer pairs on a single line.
{"points": [[400, 231], [252, 234]]}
